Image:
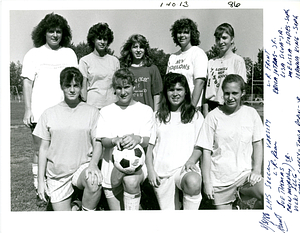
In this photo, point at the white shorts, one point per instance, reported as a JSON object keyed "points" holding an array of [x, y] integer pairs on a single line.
{"points": [[167, 193], [60, 189], [228, 194]]}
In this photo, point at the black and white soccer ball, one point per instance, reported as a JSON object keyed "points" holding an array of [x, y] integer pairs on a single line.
{"points": [[128, 161]]}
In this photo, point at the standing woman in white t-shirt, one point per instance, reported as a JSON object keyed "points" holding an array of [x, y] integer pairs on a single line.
{"points": [[98, 67], [41, 70], [190, 60], [227, 62], [174, 163]]}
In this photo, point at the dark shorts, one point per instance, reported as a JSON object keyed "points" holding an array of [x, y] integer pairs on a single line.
{"points": [[32, 126], [212, 105]]}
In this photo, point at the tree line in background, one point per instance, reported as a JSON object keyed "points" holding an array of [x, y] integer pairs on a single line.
{"points": [[160, 59]]}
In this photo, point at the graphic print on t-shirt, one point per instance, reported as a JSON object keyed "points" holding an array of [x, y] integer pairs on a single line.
{"points": [[140, 86], [216, 75], [179, 65]]}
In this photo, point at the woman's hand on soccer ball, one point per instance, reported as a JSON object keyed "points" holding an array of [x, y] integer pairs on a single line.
{"points": [[130, 141], [117, 142]]}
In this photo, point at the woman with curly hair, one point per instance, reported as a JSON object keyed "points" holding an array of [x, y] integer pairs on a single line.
{"points": [[172, 159], [98, 67], [190, 60], [135, 55], [41, 69]]}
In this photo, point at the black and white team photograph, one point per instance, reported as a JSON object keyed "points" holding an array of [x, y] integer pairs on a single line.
{"points": [[154, 107]]}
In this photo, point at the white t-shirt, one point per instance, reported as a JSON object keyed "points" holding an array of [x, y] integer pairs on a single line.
{"points": [[230, 139], [191, 63], [99, 72], [71, 132], [43, 66], [135, 119], [218, 69], [174, 143]]}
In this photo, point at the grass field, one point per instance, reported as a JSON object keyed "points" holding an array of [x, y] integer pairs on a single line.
{"points": [[22, 191], [23, 196]]}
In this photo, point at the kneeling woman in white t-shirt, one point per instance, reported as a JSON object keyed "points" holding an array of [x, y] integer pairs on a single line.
{"points": [[123, 124], [172, 158], [231, 138], [66, 157]]}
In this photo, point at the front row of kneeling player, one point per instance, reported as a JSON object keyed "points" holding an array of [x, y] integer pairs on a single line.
{"points": [[75, 137]]}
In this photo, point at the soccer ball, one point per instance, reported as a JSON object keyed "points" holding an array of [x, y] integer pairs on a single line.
{"points": [[128, 161]]}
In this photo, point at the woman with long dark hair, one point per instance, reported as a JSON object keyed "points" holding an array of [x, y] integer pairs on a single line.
{"points": [[172, 158]]}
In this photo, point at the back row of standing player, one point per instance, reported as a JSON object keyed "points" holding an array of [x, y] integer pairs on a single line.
{"points": [[43, 64]]}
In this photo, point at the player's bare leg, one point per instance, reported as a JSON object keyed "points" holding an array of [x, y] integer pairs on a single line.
{"points": [[191, 187], [91, 192], [132, 190]]}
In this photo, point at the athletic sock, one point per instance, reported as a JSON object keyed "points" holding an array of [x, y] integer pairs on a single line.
{"points": [[191, 202], [132, 201], [35, 175]]}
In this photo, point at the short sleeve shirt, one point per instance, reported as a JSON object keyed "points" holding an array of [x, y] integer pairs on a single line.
{"points": [[218, 69], [147, 84], [191, 63], [43, 66], [114, 121], [174, 143], [99, 72], [71, 132], [230, 138]]}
